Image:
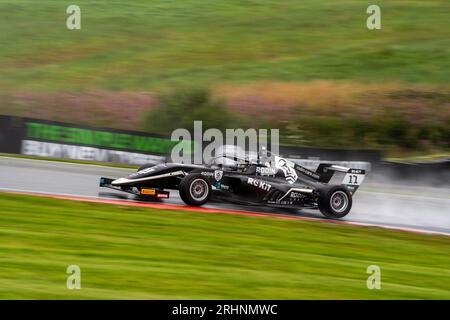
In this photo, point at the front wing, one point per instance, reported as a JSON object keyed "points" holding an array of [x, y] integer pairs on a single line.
{"points": [[137, 191]]}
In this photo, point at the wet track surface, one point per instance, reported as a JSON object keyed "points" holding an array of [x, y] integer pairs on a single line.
{"points": [[421, 208]]}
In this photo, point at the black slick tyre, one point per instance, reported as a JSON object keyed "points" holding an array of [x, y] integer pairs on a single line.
{"points": [[335, 202], [195, 190]]}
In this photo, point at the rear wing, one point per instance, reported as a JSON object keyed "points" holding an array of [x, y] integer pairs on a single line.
{"points": [[326, 173]]}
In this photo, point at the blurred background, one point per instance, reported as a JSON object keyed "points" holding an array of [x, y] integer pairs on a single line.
{"points": [[114, 90], [311, 68]]}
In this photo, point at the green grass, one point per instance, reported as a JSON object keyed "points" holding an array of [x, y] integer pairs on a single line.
{"points": [[141, 253], [149, 44], [112, 70]]}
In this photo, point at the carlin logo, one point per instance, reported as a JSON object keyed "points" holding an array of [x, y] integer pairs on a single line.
{"points": [[218, 174], [287, 168], [143, 171], [264, 171], [259, 183]]}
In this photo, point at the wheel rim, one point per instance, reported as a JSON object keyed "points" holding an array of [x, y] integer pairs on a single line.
{"points": [[199, 189], [339, 201]]}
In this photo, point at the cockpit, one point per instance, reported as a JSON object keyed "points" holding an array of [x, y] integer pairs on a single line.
{"points": [[240, 162], [229, 163]]}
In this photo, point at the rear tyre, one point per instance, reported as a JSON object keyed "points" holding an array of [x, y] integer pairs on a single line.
{"points": [[195, 190], [335, 202]]}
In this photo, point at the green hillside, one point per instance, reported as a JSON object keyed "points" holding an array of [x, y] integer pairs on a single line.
{"points": [[306, 67], [145, 44]]}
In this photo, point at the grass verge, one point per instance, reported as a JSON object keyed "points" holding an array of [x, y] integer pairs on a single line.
{"points": [[142, 253]]}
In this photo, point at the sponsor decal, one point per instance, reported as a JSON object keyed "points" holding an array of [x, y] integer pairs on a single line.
{"points": [[310, 164], [296, 195], [259, 183], [140, 173], [207, 174], [162, 195], [99, 138], [218, 174], [266, 171], [65, 151], [150, 192], [283, 202], [307, 172], [288, 169], [143, 171]]}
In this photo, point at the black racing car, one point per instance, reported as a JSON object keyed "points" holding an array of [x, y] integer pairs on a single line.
{"points": [[269, 180]]}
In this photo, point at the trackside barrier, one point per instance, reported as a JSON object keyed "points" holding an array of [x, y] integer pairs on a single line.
{"points": [[54, 139]]}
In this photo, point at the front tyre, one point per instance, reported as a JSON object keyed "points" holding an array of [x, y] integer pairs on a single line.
{"points": [[335, 202], [195, 190]]}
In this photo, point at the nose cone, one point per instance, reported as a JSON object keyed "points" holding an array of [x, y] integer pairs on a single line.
{"points": [[120, 181]]}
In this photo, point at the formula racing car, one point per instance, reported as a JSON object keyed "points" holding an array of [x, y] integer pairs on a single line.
{"points": [[268, 180]]}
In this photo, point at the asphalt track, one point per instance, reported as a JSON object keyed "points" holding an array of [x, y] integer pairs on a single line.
{"points": [[421, 209]]}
